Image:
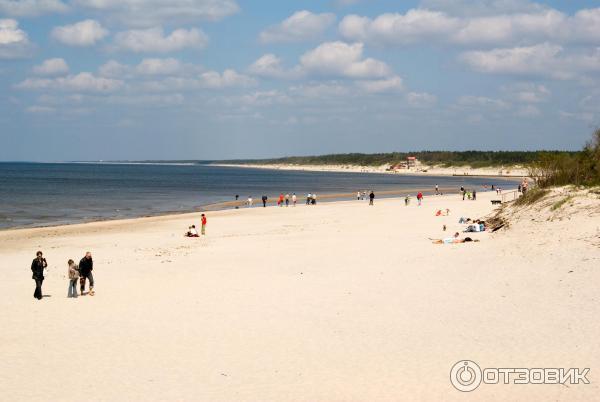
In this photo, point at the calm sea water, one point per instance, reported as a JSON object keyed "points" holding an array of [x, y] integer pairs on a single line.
{"points": [[35, 194]]}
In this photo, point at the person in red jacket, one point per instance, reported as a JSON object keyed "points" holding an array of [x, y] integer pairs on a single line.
{"points": [[203, 221], [420, 197]]}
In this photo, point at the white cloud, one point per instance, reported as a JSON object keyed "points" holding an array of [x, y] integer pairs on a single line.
{"points": [[392, 84], [423, 25], [271, 66], [31, 8], [527, 92], [14, 42], [37, 109], [157, 12], [84, 33], [421, 99], [415, 25], [528, 111], [82, 82], [482, 7], [229, 78], [300, 26], [543, 60], [54, 66], [159, 66], [154, 40], [343, 60], [113, 68], [482, 102]]}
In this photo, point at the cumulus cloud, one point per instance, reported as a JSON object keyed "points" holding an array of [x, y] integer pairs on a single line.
{"points": [[14, 42], [54, 66], [543, 60], [527, 92], [159, 66], [84, 33], [392, 84], [271, 66], [82, 82], [421, 99], [154, 40], [343, 60], [482, 7], [423, 25], [31, 8], [113, 68], [229, 78], [300, 26], [149, 13]]}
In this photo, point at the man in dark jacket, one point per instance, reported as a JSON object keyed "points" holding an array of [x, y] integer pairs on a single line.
{"points": [[86, 266], [37, 268], [371, 197]]}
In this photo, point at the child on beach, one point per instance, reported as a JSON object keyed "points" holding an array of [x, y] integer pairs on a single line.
{"points": [[203, 221], [73, 273], [192, 232]]}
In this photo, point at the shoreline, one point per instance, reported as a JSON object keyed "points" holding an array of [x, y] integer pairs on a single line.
{"points": [[511, 172], [241, 205]]}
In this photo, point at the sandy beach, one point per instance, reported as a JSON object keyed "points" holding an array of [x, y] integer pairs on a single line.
{"points": [[426, 170], [334, 302]]}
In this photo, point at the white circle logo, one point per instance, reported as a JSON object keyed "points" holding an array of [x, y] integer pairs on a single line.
{"points": [[465, 376]]}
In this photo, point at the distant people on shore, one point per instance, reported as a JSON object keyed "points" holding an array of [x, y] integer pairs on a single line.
{"points": [[203, 224], [192, 232], [308, 198], [73, 274], [249, 201], [37, 269], [437, 190], [419, 198], [474, 195], [294, 199], [287, 199], [280, 200], [407, 200], [313, 201], [371, 198], [358, 195], [463, 192], [264, 201], [86, 266], [364, 195]]}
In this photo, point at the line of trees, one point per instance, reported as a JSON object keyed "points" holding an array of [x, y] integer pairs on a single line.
{"points": [[442, 158]]}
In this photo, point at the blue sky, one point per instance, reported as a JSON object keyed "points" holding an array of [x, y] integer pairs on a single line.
{"points": [[210, 79]]}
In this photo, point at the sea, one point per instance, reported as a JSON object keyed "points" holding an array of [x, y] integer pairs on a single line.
{"points": [[49, 194]]}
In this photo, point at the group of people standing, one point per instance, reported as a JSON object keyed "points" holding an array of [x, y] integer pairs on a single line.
{"points": [[81, 273], [286, 199]]}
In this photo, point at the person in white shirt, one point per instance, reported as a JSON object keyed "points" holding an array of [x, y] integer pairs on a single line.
{"points": [[249, 202], [294, 199]]}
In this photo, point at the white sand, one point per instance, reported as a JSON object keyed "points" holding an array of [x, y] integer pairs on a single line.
{"points": [[338, 302], [422, 169]]}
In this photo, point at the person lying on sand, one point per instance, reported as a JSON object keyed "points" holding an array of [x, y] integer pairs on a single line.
{"points": [[192, 232], [452, 240]]}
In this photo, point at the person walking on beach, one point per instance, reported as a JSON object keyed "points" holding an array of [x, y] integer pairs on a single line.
{"points": [[73, 273], [363, 195], [314, 199], [308, 198], [437, 190], [287, 200], [86, 266], [358, 195], [474, 195], [371, 197], [280, 200], [264, 201], [37, 269], [294, 199], [249, 202], [419, 198], [203, 222], [463, 192]]}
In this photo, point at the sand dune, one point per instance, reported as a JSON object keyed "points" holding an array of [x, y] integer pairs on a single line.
{"points": [[337, 302]]}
